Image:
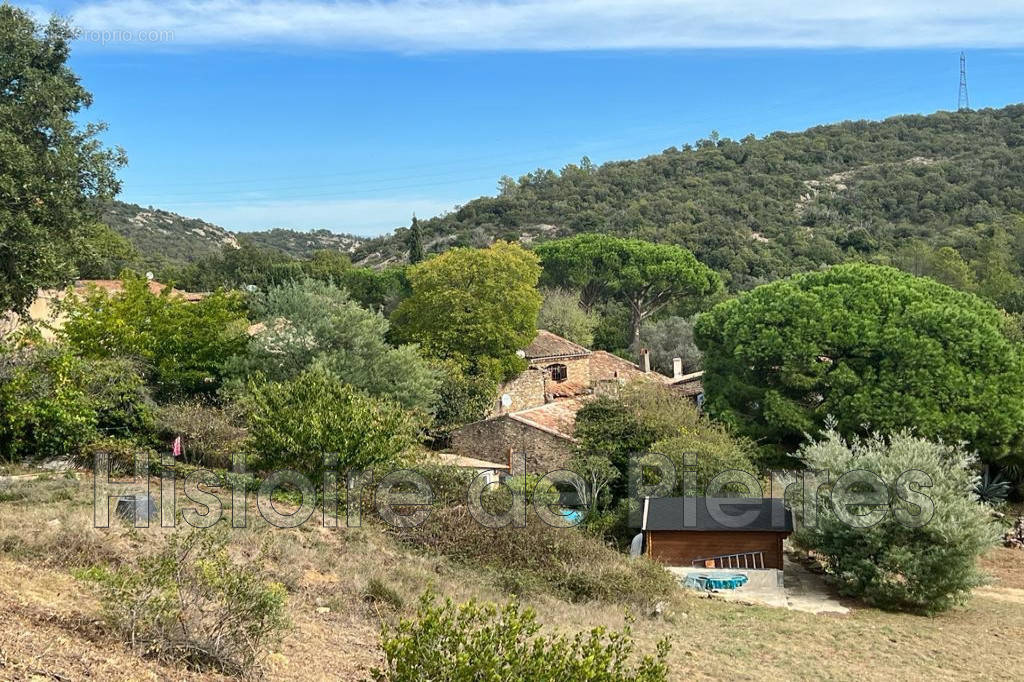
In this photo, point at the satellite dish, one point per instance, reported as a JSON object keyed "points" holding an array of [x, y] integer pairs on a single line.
{"points": [[506, 400], [149, 276]]}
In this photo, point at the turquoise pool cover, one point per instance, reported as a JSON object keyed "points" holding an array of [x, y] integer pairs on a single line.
{"points": [[703, 581]]}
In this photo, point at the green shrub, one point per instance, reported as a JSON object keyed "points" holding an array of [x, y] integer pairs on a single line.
{"points": [[117, 388], [898, 563], [121, 454], [294, 424], [183, 346], [311, 322], [486, 642], [211, 436], [44, 411], [716, 452], [191, 603]]}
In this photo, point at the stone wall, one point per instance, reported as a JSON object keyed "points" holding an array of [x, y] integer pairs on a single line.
{"points": [[526, 391], [577, 371], [493, 439]]}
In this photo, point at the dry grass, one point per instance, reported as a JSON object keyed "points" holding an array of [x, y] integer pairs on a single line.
{"points": [[49, 625]]}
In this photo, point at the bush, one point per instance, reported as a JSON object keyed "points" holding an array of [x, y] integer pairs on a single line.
{"points": [[210, 435], [121, 455], [562, 314], [191, 603], [44, 410], [565, 562], [117, 388], [462, 397], [294, 424], [716, 451], [648, 417], [487, 642], [183, 346], [897, 563], [302, 323], [379, 592]]}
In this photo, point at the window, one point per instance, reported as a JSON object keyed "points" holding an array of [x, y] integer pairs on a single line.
{"points": [[559, 373]]}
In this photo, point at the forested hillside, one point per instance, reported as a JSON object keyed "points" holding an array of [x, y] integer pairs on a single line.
{"points": [[757, 209], [303, 244], [165, 239]]}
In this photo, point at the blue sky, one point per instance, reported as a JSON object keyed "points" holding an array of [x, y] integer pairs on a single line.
{"points": [[352, 115]]}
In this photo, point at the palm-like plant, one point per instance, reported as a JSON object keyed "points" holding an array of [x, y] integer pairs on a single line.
{"points": [[992, 488]]}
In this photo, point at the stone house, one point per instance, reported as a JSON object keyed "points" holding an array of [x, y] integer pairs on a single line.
{"points": [[530, 427]]}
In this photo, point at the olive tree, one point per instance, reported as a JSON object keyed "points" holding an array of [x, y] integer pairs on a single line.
{"points": [[900, 525]]}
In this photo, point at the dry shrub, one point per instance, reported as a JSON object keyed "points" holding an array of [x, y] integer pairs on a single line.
{"points": [[567, 563], [210, 435], [191, 603]]}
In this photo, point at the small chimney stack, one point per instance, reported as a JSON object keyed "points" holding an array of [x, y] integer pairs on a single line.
{"points": [[677, 368], [645, 360]]}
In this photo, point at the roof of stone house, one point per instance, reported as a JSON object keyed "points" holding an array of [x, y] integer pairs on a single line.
{"points": [[567, 389], [548, 346], [688, 384], [452, 459], [116, 286], [557, 418], [605, 365]]}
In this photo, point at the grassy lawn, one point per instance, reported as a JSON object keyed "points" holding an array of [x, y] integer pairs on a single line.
{"points": [[49, 620]]}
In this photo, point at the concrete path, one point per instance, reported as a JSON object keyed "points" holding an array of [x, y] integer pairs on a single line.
{"points": [[798, 589]]}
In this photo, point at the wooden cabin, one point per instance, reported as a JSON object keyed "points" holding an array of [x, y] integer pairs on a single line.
{"points": [[710, 532]]}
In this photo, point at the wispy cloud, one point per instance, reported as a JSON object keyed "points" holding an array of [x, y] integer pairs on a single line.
{"points": [[451, 25]]}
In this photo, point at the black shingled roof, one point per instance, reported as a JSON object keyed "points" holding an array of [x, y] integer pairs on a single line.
{"points": [[718, 514]]}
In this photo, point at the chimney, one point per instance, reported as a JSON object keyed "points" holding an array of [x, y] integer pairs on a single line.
{"points": [[677, 368], [645, 360]]}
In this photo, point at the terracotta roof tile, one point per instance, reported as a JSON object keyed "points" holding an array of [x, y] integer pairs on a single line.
{"points": [[604, 365], [548, 345], [557, 418], [689, 384]]}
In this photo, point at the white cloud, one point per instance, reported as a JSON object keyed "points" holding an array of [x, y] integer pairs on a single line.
{"points": [[447, 25], [364, 217]]}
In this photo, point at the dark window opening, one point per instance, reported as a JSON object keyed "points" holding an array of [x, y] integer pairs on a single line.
{"points": [[558, 372]]}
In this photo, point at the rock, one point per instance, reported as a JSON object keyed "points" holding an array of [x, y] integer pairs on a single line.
{"points": [[137, 508], [53, 523], [59, 464], [323, 609], [1014, 537], [659, 609]]}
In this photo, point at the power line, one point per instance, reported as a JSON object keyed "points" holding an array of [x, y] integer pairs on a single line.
{"points": [[963, 102]]}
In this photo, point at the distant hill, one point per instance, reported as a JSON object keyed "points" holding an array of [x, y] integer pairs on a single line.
{"points": [[754, 209], [303, 244], [164, 238], [760, 208]]}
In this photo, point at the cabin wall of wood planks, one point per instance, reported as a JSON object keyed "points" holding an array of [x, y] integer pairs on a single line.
{"points": [[682, 547]]}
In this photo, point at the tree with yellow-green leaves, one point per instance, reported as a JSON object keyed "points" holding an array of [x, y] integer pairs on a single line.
{"points": [[475, 306]]}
